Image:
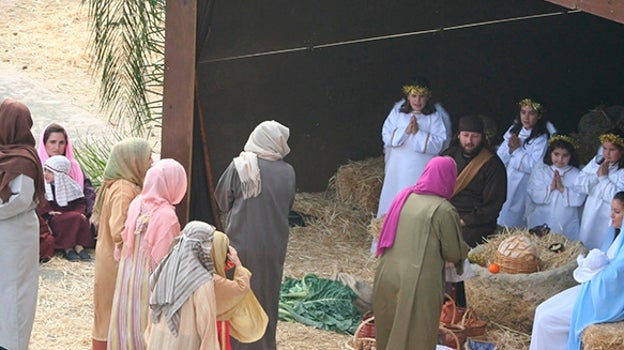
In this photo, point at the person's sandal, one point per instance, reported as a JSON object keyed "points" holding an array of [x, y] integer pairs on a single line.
{"points": [[84, 256], [72, 255]]}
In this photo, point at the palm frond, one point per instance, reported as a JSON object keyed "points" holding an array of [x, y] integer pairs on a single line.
{"points": [[127, 45]]}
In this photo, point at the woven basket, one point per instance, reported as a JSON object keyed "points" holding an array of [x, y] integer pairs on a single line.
{"points": [[517, 254], [364, 337], [473, 325], [451, 313], [451, 336], [466, 318]]}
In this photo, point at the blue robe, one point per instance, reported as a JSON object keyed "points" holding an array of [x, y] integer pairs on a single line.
{"points": [[600, 299]]}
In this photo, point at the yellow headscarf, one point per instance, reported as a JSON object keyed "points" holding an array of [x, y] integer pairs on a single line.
{"points": [[247, 318]]}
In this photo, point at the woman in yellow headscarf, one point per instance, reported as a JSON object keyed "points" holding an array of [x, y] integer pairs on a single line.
{"points": [[238, 312]]}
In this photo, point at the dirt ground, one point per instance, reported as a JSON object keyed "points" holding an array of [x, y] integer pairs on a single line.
{"points": [[46, 40]]}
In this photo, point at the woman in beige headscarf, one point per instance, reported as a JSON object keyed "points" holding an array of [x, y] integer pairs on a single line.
{"points": [[123, 180], [258, 189], [238, 312]]}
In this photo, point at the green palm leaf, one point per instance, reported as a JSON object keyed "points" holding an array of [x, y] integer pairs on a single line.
{"points": [[127, 46]]}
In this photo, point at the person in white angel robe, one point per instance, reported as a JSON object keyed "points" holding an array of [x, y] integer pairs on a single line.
{"points": [[553, 199], [523, 147], [414, 132], [600, 182]]}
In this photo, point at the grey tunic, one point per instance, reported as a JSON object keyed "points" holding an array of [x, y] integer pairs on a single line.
{"points": [[258, 229]]}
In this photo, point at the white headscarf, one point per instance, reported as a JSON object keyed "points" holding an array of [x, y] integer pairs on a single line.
{"points": [[65, 188], [187, 266], [269, 141]]}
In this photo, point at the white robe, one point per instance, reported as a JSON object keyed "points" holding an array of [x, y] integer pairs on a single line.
{"points": [[560, 211], [407, 154], [600, 192], [19, 244], [519, 165], [551, 325]]}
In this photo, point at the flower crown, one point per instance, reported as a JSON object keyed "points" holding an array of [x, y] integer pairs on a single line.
{"points": [[416, 90], [613, 138], [528, 102], [564, 138]]}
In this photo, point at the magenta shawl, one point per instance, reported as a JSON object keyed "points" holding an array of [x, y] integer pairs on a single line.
{"points": [[437, 179]]}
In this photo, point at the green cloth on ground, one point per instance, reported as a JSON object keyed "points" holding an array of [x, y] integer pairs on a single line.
{"points": [[318, 302]]}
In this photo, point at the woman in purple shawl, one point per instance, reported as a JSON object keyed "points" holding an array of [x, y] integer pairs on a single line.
{"points": [[420, 233]]}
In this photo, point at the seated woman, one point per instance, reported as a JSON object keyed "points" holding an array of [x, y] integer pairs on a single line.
{"points": [[560, 320], [239, 313], [182, 297], [64, 210], [54, 141]]}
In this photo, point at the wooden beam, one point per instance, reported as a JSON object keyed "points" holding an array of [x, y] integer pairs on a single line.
{"points": [[571, 4], [178, 96], [609, 9]]}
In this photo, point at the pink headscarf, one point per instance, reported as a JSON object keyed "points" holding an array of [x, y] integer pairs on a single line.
{"points": [[75, 172], [164, 186], [437, 179]]}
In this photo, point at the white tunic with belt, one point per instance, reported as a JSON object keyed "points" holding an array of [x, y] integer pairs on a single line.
{"points": [[545, 205], [519, 165], [407, 154], [600, 191]]}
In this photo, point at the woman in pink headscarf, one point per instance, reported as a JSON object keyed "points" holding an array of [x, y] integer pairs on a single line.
{"points": [[421, 231], [54, 141], [150, 228]]}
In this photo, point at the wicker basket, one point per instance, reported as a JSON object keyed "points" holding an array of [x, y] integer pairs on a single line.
{"points": [[466, 318], [451, 313], [364, 337], [451, 336], [473, 325], [517, 254]]}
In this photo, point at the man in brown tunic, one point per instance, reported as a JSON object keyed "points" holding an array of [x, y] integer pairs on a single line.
{"points": [[481, 185]]}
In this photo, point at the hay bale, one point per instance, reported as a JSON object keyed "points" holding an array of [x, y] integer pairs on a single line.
{"points": [[331, 216], [604, 336], [374, 227], [359, 183], [588, 146], [596, 121], [511, 299]]}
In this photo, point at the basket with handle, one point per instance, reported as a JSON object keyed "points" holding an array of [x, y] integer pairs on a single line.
{"points": [[472, 324], [449, 338], [364, 336], [451, 313], [465, 317]]}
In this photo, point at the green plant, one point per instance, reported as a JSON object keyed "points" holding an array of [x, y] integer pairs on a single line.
{"points": [[127, 46], [92, 154]]}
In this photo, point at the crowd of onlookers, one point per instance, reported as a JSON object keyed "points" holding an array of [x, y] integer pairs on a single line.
{"points": [[156, 285]]}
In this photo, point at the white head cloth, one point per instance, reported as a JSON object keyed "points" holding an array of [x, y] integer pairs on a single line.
{"points": [[66, 189], [590, 265], [268, 141]]}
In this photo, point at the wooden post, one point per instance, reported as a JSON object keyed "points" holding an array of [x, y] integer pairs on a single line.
{"points": [[178, 93]]}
